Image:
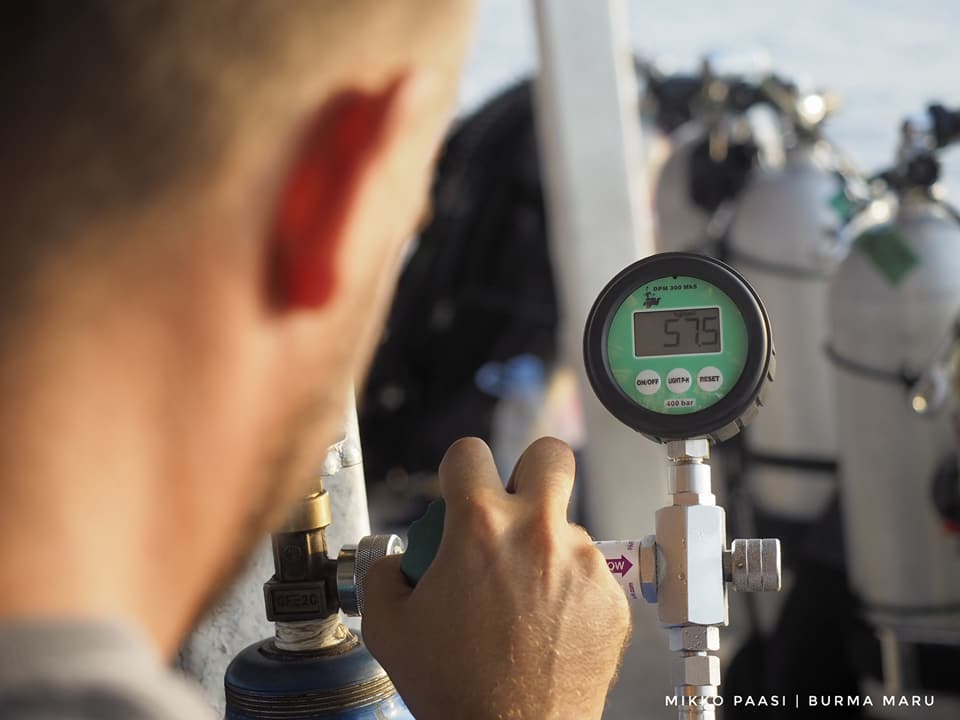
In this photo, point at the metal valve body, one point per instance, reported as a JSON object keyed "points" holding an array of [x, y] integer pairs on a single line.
{"points": [[684, 569]]}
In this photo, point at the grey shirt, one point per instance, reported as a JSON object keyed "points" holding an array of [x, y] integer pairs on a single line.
{"points": [[88, 671]]}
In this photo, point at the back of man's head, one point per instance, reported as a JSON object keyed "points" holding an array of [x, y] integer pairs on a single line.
{"points": [[112, 107]]}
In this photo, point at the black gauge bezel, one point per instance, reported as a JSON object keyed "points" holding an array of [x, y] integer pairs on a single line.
{"points": [[742, 398]]}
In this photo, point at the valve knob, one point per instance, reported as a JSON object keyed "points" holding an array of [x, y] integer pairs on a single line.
{"points": [[353, 564], [753, 565]]}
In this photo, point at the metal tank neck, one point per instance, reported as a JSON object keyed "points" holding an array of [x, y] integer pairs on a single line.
{"points": [[309, 587], [301, 595]]}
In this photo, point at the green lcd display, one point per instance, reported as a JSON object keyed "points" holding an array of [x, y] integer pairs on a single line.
{"points": [[677, 332], [677, 345]]}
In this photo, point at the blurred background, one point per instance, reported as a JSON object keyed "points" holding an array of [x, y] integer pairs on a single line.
{"points": [[484, 335]]}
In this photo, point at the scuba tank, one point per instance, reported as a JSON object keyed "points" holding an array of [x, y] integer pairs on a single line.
{"points": [[772, 208], [782, 238], [715, 144], [343, 682], [891, 301]]}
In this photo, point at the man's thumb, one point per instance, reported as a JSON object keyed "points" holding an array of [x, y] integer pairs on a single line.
{"points": [[385, 595]]}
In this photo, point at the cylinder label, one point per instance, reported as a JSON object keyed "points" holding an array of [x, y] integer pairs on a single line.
{"points": [[623, 561], [888, 251]]}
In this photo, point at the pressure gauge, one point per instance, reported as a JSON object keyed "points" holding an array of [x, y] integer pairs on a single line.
{"points": [[678, 346]]}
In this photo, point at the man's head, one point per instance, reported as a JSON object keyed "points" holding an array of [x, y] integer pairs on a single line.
{"points": [[204, 206]]}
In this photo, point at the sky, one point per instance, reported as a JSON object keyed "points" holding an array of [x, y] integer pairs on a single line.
{"points": [[886, 59]]}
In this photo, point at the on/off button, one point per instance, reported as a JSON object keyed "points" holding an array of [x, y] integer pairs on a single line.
{"points": [[648, 382]]}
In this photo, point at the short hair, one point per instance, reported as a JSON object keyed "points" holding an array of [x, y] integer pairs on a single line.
{"points": [[111, 104]]}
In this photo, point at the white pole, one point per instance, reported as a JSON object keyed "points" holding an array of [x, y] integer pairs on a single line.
{"points": [[599, 218]]}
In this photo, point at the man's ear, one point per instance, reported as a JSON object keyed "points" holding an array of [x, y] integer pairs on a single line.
{"points": [[323, 181]]}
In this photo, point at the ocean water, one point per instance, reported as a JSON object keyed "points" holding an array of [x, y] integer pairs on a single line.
{"points": [[886, 58]]}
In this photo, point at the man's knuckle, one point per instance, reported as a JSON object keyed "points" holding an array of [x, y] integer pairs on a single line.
{"points": [[581, 536], [546, 518], [591, 562], [481, 516], [542, 531]]}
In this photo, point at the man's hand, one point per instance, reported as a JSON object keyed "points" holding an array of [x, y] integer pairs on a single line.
{"points": [[518, 616]]}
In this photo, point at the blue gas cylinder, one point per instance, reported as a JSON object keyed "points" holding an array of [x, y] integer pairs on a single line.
{"points": [[344, 682]]}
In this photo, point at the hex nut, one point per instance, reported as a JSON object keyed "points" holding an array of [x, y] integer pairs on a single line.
{"points": [[698, 449], [689, 498], [648, 568], [696, 670], [695, 638]]}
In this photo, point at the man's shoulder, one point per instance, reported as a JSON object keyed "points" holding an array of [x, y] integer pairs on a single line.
{"points": [[69, 670]]}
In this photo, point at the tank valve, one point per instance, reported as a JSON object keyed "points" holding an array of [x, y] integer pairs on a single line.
{"points": [[353, 564]]}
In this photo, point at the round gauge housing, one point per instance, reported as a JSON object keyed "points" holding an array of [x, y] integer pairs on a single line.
{"points": [[678, 346]]}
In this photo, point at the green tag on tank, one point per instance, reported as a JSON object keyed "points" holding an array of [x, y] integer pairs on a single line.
{"points": [[886, 249], [677, 345], [843, 206]]}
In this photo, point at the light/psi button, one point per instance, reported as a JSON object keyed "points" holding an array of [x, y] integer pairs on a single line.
{"points": [[679, 380]]}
